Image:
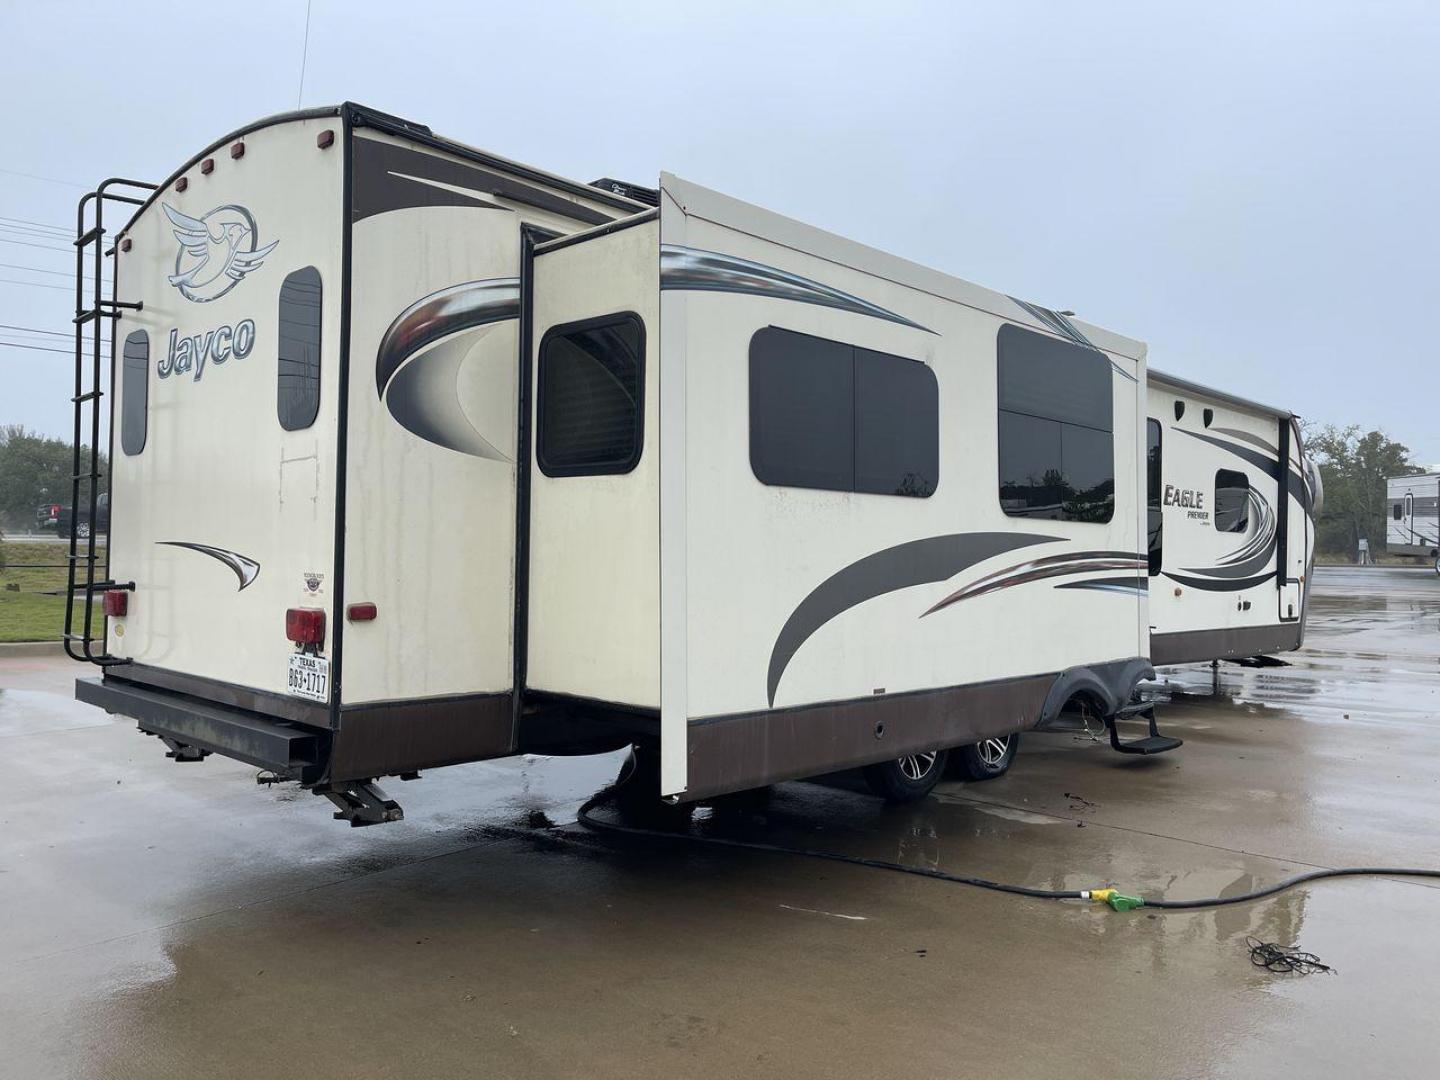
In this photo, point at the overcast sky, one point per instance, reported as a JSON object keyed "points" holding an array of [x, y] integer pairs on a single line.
{"points": [[1250, 188]]}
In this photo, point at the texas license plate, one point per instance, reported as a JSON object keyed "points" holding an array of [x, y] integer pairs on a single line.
{"points": [[310, 676]]}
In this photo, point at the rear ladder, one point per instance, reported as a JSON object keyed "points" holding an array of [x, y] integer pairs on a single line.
{"points": [[90, 316]]}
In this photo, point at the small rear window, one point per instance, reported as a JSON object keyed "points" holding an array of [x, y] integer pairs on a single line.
{"points": [[297, 393], [591, 396], [134, 392], [1232, 501]]}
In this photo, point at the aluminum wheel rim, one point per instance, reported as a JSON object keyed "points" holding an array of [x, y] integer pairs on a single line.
{"points": [[993, 751], [917, 766]]}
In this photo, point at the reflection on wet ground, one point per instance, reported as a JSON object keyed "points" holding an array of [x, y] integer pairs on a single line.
{"points": [[177, 920]]}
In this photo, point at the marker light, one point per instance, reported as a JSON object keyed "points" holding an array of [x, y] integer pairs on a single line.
{"points": [[117, 603]]}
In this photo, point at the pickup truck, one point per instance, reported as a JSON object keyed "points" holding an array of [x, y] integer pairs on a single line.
{"points": [[66, 518]]}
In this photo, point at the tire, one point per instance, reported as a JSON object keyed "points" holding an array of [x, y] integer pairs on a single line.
{"points": [[907, 779], [1437, 564], [988, 759]]}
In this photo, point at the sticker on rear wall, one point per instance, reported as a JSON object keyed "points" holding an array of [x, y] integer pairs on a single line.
{"points": [[313, 581]]}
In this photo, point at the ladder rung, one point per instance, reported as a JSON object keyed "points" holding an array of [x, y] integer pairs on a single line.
{"points": [[94, 234], [93, 314], [89, 395], [132, 305], [77, 558], [95, 475]]}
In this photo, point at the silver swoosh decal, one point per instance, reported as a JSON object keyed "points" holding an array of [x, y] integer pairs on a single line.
{"points": [[694, 270], [1062, 565], [421, 392], [246, 568]]}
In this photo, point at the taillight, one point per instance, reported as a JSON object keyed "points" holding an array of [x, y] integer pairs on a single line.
{"points": [[117, 603], [305, 625], [360, 612]]}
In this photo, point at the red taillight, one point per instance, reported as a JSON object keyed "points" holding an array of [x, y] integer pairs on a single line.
{"points": [[305, 625], [117, 603], [360, 612]]}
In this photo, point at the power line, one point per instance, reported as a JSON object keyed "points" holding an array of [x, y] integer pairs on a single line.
{"points": [[35, 330], [38, 224], [35, 284], [33, 230], [42, 270], [47, 179], [44, 247], [36, 348], [89, 340]]}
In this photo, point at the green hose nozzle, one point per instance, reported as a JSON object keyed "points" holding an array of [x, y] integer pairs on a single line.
{"points": [[1117, 900]]}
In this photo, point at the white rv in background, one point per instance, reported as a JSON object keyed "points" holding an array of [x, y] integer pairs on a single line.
{"points": [[427, 457], [1411, 525]]}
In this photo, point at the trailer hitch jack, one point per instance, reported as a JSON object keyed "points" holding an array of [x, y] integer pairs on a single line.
{"points": [[361, 802]]}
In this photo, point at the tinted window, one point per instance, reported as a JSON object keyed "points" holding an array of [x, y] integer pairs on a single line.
{"points": [[297, 394], [1056, 428], [591, 390], [1155, 525], [1232, 501], [802, 403], [828, 415], [134, 392], [1399, 511]]}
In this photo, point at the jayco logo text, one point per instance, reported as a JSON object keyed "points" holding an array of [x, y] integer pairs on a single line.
{"points": [[188, 354]]}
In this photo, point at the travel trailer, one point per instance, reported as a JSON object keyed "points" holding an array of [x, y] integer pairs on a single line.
{"points": [[1231, 530], [426, 457], [1410, 525]]}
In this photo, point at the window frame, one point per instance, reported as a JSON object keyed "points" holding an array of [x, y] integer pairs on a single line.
{"points": [[764, 475], [621, 468]]}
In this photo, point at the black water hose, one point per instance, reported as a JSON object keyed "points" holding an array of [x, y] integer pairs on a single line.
{"points": [[1114, 898]]}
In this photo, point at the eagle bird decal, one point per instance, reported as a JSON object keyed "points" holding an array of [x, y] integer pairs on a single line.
{"points": [[216, 251]]}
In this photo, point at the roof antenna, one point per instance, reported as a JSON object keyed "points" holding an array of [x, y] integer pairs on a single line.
{"points": [[304, 55]]}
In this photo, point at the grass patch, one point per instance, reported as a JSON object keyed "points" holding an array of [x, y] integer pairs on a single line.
{"points": [[36, 612]]}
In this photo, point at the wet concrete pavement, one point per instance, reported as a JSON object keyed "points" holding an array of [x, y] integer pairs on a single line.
{"points": [[177, 920]]}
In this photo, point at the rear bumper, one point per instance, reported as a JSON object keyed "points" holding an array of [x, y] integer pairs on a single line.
{"points": [[289, 749]]}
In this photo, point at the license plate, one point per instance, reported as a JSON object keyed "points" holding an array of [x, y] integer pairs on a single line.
{"points": [[310, 676]]}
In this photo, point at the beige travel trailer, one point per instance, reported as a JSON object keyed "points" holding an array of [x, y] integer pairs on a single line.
{"points": [[1231, 536], [426, 457]]}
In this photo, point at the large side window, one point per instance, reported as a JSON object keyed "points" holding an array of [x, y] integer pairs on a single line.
{"points": [[297, 392], [134, 392], [591, 395], [827, 415], [1056, 428], [1232, 501], [1153, 489]]}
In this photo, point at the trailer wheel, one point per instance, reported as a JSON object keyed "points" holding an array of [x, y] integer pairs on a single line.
{"points": [[1437, 564], [907, 779], [987, 759]]}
